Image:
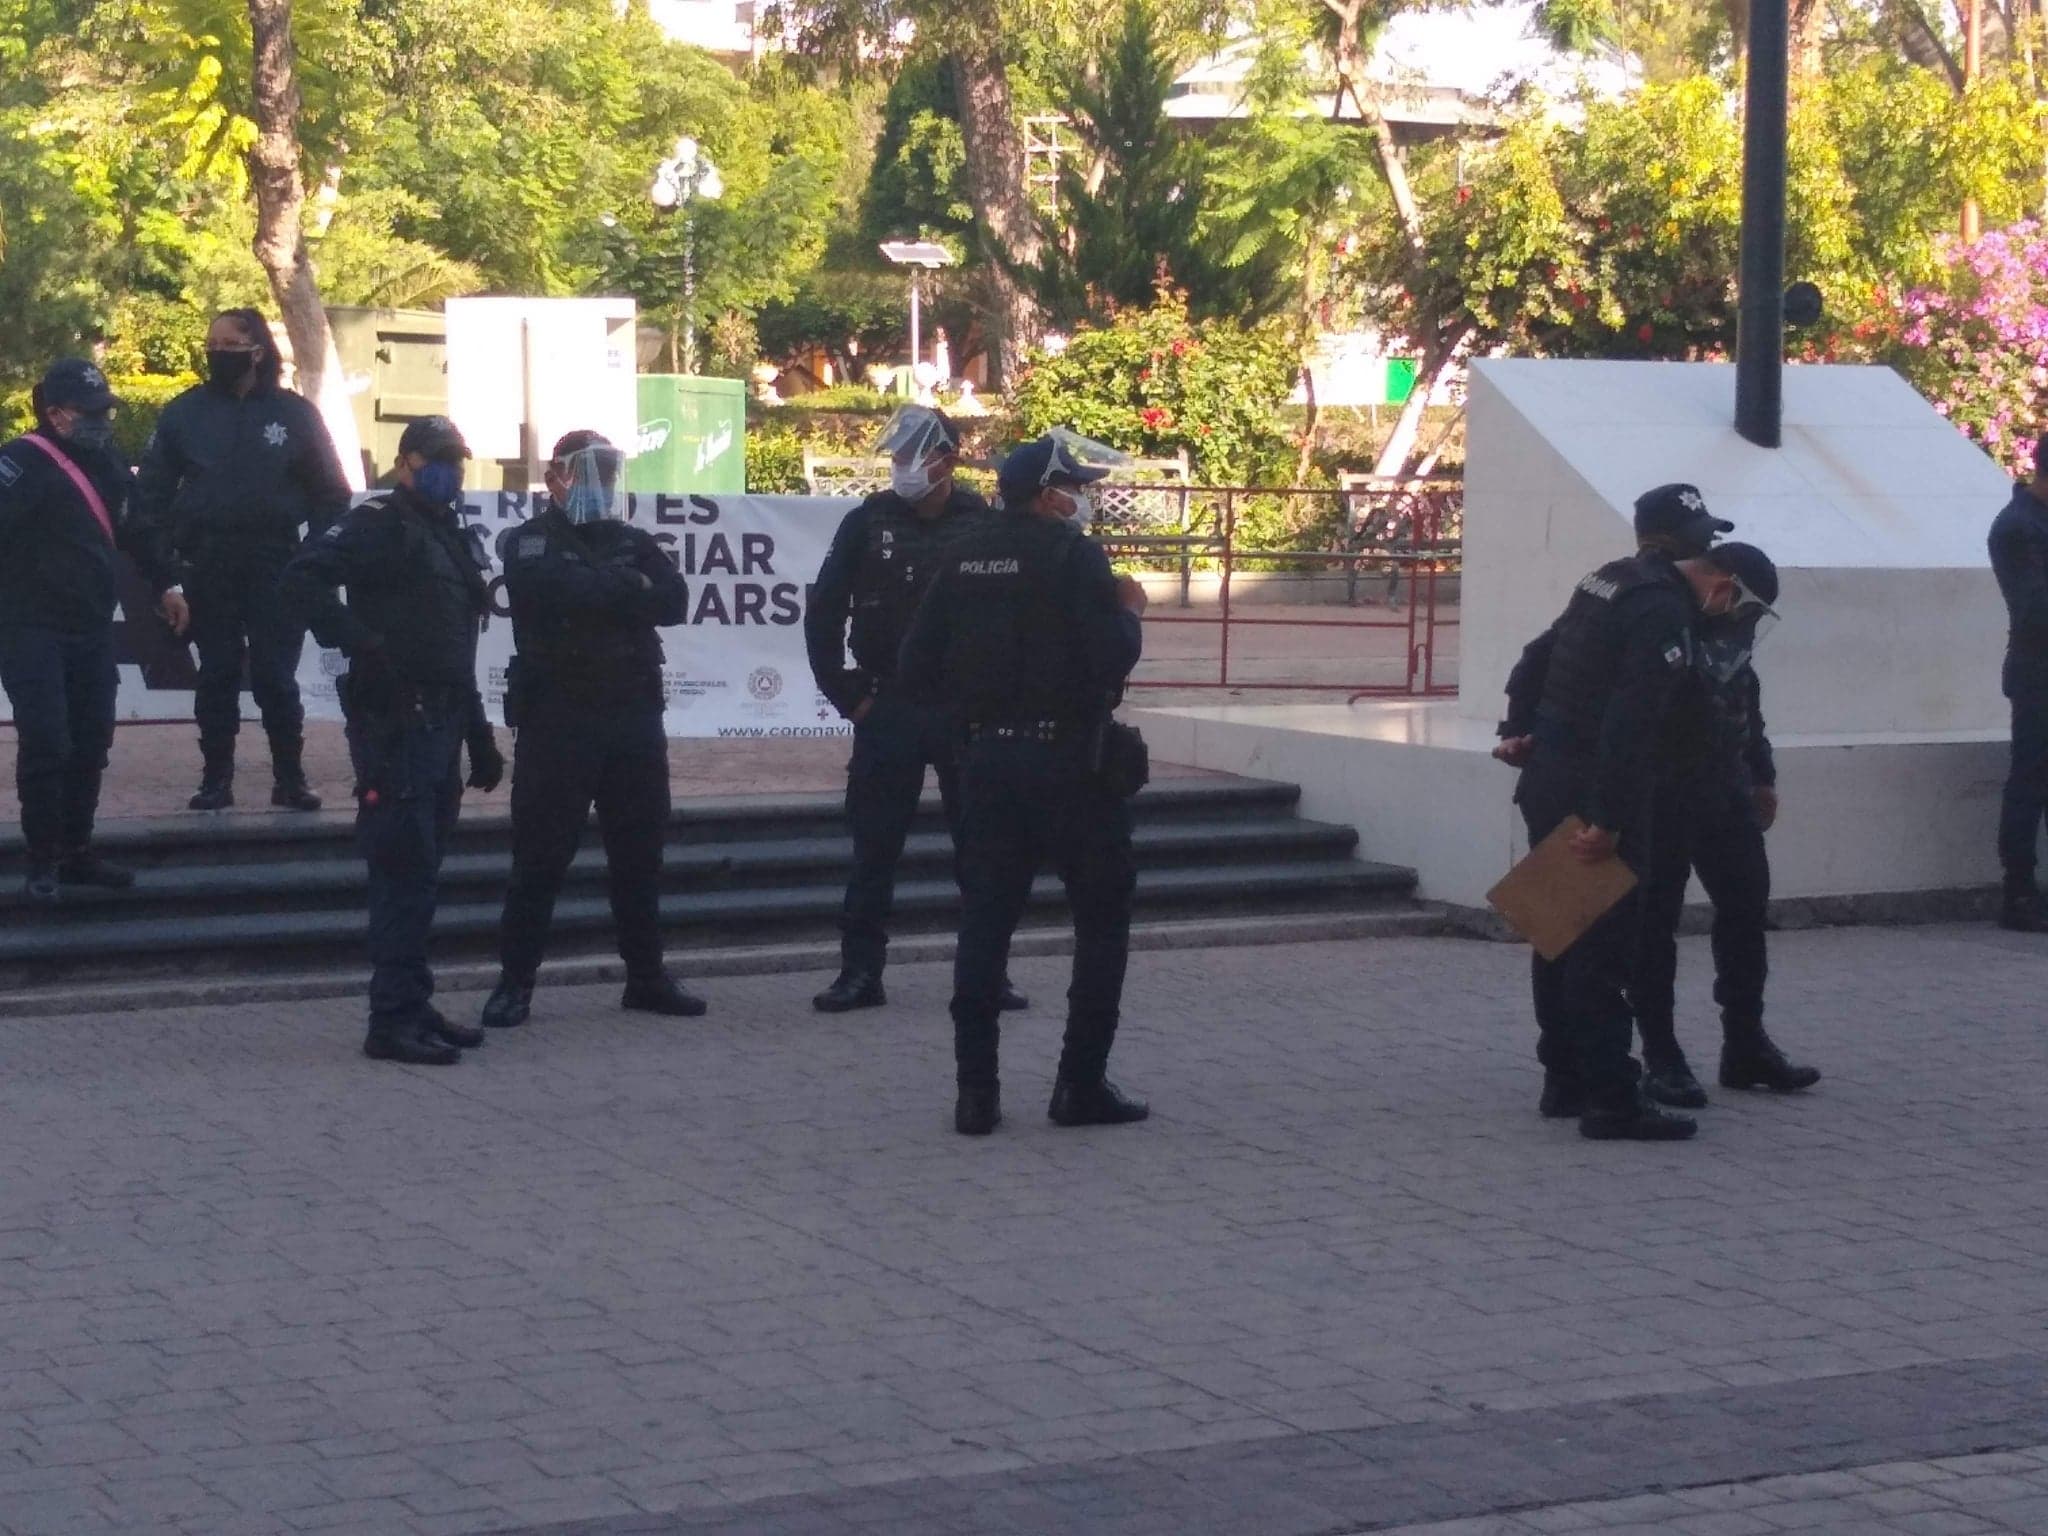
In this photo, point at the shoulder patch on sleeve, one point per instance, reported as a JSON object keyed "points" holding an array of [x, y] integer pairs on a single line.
{"points": [[10, 469], [530, 546]]}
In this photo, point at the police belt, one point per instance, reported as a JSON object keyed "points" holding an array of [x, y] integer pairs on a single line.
{"points": [[1022, 730]]}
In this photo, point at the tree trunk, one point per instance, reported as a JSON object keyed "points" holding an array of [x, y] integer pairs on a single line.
{"points": [[1005, 222], [1436, 366], [279, 182]]}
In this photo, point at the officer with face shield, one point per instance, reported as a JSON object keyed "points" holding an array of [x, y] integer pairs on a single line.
{"points": [[588, 593], [415, 574], [1715, 798], [881, 562], [1025, 642], [1599, 738], [63, 514]]}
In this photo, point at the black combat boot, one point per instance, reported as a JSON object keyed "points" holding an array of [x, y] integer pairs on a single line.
{"points": [[1750, 1060], [436, 1025], [853, 989], [42, 882], [658, 993], [1010, 1000], [81, 866], [2020, 908], [1669, 1080], [1636, 1120], [1564, 1097], [407, 1042], [288, 790], [1097, 1103], [510, 1003], [217, 776], [978, 1110]]}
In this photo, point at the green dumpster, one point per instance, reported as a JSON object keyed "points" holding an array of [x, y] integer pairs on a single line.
{"points": [[692, 435]]}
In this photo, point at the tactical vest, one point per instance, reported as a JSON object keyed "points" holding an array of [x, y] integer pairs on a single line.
{"points": [[430, 592], [607, 657], [903, 554], [1586, 658], [1012, 657]]}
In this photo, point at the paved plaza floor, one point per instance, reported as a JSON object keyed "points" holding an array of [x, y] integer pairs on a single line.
{"points": [[615, 1274]]}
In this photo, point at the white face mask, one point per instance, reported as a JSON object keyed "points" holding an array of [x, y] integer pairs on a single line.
{"points": [[913, 482], [1084, 509]]}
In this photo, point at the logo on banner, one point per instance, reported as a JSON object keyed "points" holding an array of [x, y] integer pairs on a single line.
{"points": [[764, 683]]}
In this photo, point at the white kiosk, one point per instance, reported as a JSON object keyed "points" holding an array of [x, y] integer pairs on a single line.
{"points": [[1880, 685]]}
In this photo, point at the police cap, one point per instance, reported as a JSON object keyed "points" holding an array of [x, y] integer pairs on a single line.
{"points": [[433, 437], [1042, 462], [1748, 565], [73, 384], [1677, 514]]}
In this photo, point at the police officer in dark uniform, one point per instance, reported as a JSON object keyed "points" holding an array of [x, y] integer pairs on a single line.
{"points": [[2019, 559], [236, 468], [416, 595], [1619, 656], [63, 503], [585, 695], [1714, 799], [1025, 640], [880, 564]]}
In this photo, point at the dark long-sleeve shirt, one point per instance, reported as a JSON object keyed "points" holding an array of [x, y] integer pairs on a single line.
{"points": [[2018, 544], [57, 566]]}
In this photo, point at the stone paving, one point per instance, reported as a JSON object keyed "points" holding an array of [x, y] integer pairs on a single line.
{"points": [[618, 1275]]}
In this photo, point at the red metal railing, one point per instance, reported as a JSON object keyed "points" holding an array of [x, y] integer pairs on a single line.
{"points": [[1399, 533]]}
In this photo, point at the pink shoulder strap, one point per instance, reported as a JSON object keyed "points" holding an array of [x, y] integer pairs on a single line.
{"points": [[79, 478]]}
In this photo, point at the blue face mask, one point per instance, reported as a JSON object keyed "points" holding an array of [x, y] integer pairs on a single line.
{"points": [[439, 482]]}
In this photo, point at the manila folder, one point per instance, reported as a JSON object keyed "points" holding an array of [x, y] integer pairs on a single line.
{"points": [[1551, 899]]}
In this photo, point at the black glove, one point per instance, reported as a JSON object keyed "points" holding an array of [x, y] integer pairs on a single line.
{"points": [[486, 762]]}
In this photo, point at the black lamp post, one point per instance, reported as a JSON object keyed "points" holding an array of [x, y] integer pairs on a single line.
{"points": [[1760, 314]]}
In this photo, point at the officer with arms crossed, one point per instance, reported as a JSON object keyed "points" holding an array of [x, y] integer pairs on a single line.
{"points": [[2019, 559], [881, 562], [63, 491], [1025, 640], [237, 466], [416, 595], [1712, 805], [1621, 652], [588, 594]]}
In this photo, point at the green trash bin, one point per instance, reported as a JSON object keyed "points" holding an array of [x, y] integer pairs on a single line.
{"points": [[692, 435]]}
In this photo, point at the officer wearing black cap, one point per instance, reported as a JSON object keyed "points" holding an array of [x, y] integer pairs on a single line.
{"points": [[415, 576], [589, 593], [1025, 640], [2019, 559], [1715, 798], [236, 468], [1598, 737], [63, 514], [881, 562]]}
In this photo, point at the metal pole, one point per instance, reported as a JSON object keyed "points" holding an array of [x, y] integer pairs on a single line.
{"points": [[689, 292], [1973, 63], [1760, 318], [916, 328]]}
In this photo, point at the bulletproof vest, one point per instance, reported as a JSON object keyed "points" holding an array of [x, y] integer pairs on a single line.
{"points": [[1011, 655], [430, 594], [902, 555], [1587, 655], [610, 653]]}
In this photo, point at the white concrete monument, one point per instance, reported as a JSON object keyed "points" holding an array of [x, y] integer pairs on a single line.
{"points": [[1880, 684]]}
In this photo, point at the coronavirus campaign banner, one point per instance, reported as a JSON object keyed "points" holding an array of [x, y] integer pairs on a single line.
{"points": [[735, 668]]}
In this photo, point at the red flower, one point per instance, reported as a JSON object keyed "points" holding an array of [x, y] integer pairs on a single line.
{"points": [[1180, 346], [1144, 375], [1644, 332], [1464, 195], [1154, 418]]}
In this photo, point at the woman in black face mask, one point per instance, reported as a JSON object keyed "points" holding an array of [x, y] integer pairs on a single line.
{"points": [[239, 469]]}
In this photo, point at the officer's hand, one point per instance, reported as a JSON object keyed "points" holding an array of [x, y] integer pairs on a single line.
{"points": [[1766, 798], [862, 709], [1514, 751], [1132, 595], [1593, 845], [486, 762], [174, 611]]}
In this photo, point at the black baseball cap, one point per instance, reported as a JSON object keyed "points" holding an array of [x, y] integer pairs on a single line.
{"points": [[433, 437], [1678, 514], [73, 384], [1748, 565], [1039, 463]]}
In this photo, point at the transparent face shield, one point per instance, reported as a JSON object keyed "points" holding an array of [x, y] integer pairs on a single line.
{"points": [[1727, 641], [593, 484], [1077, 463], [920, 452]]}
